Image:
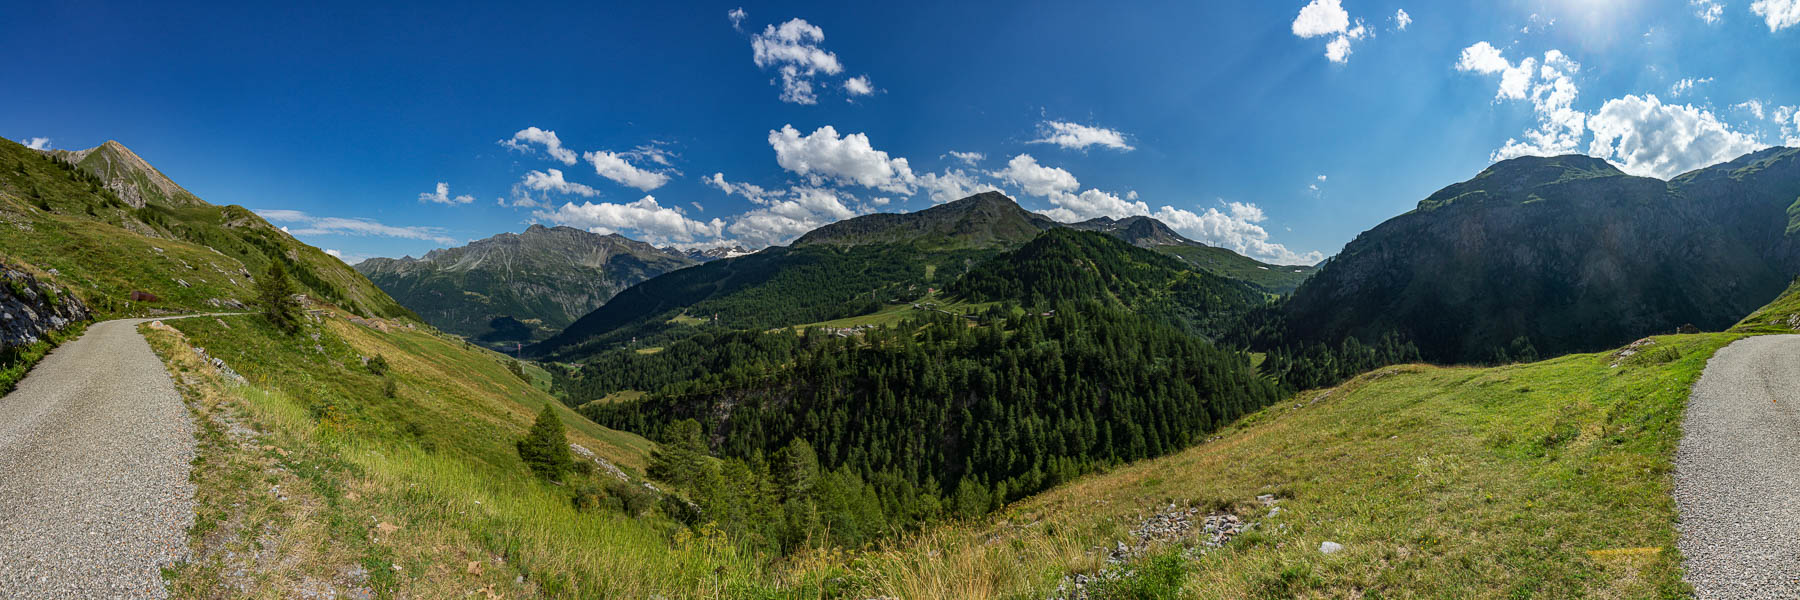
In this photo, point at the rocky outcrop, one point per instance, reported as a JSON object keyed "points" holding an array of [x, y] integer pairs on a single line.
{"points": [[31, 309]]}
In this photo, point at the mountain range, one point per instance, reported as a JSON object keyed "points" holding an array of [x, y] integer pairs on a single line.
{"points": [[519, 287], [1562, 254]]}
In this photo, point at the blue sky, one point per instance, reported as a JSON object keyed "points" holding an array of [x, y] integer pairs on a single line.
{"points": [[1280, 129]]}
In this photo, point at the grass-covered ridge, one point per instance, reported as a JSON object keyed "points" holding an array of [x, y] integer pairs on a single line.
{"points": [[1510, 481], [154, 237], [417, 492], [1779, 316]]}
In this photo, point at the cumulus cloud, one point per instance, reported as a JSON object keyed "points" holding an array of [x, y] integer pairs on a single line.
{"points": [[737, 17], [793, 50], [823, 155], [1549, 85], [952, 184], [1646, 137], [1709, 11], [334, 253], [1236, 228], [1753, 105], [780, 221], [1402, 20], [1687, 85], [614, 166], [1076, 136], [967, 158], [859, 86], [37, 143], [1035, 179], [525, 138], [551, 180], [1328, 18], [1777, 14], [442, 196], [301, 223], [645, 218]]}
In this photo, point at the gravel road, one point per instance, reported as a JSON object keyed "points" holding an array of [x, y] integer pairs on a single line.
{"points": [[1737, 472], [95, 446]]}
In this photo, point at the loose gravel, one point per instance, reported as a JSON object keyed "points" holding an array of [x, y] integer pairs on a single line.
{"points": [[95, 447], [1737, 473]]}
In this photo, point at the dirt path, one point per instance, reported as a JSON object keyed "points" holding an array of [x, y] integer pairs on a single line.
{"points": [[95, 448], [1737, 473]]}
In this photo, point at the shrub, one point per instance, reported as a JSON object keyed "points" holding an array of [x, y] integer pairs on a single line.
{"points": [[276, 292]]}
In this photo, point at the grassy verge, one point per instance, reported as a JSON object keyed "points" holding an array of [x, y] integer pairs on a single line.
{"points": [[1545, 480], [312, 480]]}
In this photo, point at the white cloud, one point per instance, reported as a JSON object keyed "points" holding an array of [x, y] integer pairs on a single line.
{"points": [[1646, 137], [1402, 20], [1328, 18], [552, 181], [1550, 86], [751, 192], [793, 49], [1541, 24], [1092, 203], [737, 17], [1076, 136], [334, 253], [1778, 14], [442, 196], [967, 158], [781, 221], [1753, 105], [823, 155], [523, 140], [1035, 179], [1235, 228], [1709, 11], [1788, 118], [37, 143], [1321, 178], [1687, 85], [859, 86], [953, 184], [305, 224], [614, 166], [652, 222]]}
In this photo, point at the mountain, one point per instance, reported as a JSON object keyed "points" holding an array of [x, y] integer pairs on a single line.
{"points": [[1562, 254], [519, 286], [1146, 232], [706, 254], [984, 220], [1065, 265], [106, 224], [848, 268]]}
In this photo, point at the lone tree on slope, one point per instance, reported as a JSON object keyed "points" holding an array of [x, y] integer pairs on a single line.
{"points": [[545, 448], [276, 293]]}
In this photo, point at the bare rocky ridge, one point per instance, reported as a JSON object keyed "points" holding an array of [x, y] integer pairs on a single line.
{"points": [[95, 448], [1737, 473]]}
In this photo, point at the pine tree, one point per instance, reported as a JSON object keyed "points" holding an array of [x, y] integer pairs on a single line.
{"points": [[276, 292], [545, 449], [681, 457]]}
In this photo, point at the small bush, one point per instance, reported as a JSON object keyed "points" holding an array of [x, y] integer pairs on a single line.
{"points": [[1158, 578], [378, 365]]}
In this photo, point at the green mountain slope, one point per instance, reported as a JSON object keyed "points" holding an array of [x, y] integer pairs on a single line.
{"points": [[519, 287], [1145, 232], [1064, 265], [848, 268], [1563, 254], [113, 225]]}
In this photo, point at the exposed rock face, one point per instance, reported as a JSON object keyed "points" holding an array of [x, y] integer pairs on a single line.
{"points": [[30, 309]]}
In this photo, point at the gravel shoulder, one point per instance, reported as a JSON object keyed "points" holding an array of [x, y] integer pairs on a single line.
{"points": [[1737, 473], [95, 449]]}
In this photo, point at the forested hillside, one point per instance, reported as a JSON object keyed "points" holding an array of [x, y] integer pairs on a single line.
{"points": [[938, 417]]}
